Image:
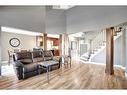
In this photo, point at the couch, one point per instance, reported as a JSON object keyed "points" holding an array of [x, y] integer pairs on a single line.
{"points": [[26, 64]]}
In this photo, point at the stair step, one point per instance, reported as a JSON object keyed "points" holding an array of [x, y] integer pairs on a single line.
{"points": [[84, 59]]}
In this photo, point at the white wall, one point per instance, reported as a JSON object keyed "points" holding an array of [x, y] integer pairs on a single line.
{"points": [[34, 18], [55, 21], [0, 53], [126, 50], [101, 57], [88, 18], [30, 18], [83, 48], [27, 42]]}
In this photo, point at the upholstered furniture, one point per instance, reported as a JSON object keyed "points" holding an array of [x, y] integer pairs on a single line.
{"points": [[26, 64]]}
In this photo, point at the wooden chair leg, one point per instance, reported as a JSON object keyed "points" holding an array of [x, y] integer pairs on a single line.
{"points": [[9, 61]]}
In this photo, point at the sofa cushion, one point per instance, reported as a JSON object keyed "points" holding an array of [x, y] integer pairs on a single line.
{"points": [[48, 58], [23, 55], [26, 61], [37, 54], [30, 67], [39, 59], [48, 53]]}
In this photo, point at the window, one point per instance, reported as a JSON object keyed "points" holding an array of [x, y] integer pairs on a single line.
{"points": [[49, 44]]}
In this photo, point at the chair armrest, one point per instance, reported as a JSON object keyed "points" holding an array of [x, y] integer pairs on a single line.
{"points": [[18, 64]]}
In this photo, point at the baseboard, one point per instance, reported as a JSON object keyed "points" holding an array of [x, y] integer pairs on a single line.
{"points": [[4, 63], [88, 62], [120, 66]]}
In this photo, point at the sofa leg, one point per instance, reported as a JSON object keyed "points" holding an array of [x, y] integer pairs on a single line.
{"points": [[23, 74]]}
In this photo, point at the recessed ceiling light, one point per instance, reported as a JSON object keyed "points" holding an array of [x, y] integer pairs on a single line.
{"points": [[19, 31]]}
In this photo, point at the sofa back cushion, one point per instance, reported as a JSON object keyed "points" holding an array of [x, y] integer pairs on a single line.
{"points": [[37, 49], [37, 56], [24, 57], [48, 55]]}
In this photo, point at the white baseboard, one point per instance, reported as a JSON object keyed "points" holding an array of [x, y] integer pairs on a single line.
{"points": [[88, 62], [4, 61], [120, 66]]}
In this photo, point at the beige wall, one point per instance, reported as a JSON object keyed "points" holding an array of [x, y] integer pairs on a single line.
{"points": [[26, 42]]}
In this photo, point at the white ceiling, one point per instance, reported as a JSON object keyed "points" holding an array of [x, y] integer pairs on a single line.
{"points": [[52, 21], [89, 18], [23, 17]]}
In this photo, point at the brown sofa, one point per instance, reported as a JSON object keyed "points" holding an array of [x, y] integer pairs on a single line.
{"points": [[26, 63]]}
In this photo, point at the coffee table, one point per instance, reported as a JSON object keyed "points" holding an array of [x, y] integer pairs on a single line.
{"points": [[47, 65]]}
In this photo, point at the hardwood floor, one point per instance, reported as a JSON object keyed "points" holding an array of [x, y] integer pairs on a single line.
{"points": [[79, 76]]}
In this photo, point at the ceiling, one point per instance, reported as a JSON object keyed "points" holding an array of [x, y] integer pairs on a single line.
{"points": [[58, 21]]}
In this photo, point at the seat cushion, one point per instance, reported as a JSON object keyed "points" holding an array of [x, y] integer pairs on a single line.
{"points": [[48, 58], [39, 59], [30, 67], [26, 61]]}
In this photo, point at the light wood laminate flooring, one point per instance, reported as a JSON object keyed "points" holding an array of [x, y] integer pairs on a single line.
{"points": [[79, 76]]}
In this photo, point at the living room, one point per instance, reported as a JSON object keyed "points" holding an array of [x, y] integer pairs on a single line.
{"points": [[55, 35]]}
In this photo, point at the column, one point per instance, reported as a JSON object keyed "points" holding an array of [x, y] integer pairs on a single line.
{"points": [[66, 44], [45, 41], [60, 44], [109, 51]]}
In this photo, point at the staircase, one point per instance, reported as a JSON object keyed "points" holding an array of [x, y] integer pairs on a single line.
{"points": [[98, 43]]}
